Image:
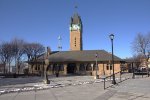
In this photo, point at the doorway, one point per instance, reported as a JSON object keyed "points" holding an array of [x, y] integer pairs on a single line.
{"points": [[71, 68]]}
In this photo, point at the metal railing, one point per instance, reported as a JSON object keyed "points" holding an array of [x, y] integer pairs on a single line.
{"points": [[107, 78], [141, 72]]}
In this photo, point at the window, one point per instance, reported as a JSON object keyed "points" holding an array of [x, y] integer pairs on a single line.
{"points": [[88, 67], [107, 67], [110, 67], [55, 67], [37, 67], [94, 67], [61, 67], [58, 67], [50, 67], [75, 42], [82, 67]]}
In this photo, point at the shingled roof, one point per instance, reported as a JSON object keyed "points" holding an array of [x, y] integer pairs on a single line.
{"points": [[81, 56]]}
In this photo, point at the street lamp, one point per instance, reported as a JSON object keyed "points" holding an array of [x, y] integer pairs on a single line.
{"points": [[111, 36], [96, 77], [92, 66]]}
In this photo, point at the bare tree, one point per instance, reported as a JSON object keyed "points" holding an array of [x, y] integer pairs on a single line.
{"points": [[33, 50], [137, 59], [18, 51], [10, 55], [6, 54], [141, 47], [141, 44], [28, 50], [3, 56]]}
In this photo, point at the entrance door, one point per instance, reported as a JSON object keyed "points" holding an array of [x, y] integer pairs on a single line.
{"points": [[71, 68]]}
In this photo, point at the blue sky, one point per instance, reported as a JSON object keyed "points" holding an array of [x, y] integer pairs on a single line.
{"points": [[44, 20]]}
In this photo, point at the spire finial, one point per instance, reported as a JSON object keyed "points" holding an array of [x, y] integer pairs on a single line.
{"points": [[76, 7]]}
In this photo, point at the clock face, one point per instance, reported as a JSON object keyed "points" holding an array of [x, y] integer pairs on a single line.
{"points": [[75, 27]]}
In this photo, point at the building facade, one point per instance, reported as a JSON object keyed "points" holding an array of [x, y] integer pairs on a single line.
{"points": [[77, 61]]}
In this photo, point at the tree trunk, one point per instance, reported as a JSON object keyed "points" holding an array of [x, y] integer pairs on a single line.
{"points": [[4, 68], [15, 64], [9, 68], [17, 67]]}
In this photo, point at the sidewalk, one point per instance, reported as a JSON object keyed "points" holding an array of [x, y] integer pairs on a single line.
{"points": [[133, 89], [61, 88], [85, 88]]}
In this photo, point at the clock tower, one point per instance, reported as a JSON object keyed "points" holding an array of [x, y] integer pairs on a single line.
{"points": [[76, 32]]}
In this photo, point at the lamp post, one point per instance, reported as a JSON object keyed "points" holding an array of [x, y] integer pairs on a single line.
{"points": [[109, 65], [96, 77], [111, 36], [92, 68]]}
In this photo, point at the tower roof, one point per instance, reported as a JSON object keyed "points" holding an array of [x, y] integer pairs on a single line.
{"points": [[75, 19]]}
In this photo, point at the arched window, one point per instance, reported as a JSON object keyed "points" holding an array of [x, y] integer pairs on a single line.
{"points": [[94, 67], [89, 67], [82, 67], [61, 67], [50, 67]]}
